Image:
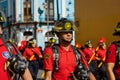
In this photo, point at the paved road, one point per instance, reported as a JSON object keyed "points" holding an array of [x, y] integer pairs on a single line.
{"points": [[40, 75]]}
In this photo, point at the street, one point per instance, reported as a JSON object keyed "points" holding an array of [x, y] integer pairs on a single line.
{"points": [[40, 75]]}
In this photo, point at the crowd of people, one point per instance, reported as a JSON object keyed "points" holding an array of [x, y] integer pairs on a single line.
{"points": [[62, 60], [96, 57]]}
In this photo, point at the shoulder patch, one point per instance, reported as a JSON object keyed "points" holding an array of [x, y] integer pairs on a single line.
{"points": [[47, 56], [6, 54]]}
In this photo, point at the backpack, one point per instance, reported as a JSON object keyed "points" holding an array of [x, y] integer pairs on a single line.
{"points": [[81, 72], [15, 64]]}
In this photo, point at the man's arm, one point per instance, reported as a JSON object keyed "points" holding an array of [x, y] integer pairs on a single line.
{"points": [[48, 63], [109, 70], [48, 75], [27, 75]]}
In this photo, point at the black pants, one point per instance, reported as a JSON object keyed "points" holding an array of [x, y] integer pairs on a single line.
{"points": [[102, 72], [93, 67], [33, 67]]}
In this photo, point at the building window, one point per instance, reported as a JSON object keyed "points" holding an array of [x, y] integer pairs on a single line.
{"points": [[27, 10], [49, 13]]}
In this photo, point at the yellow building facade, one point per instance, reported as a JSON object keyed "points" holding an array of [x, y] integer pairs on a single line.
{"points": [[97, 18]]}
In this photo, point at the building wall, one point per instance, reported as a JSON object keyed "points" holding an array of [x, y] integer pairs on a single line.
{"points": [[97, 18], [65, 9]]}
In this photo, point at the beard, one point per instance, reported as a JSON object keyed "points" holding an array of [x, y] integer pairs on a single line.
{"points": [[66, 41]]}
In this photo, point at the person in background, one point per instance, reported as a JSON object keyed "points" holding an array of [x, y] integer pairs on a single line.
{"points": [[22, 46], [113, 57], [89, 53], [51, 42], [33, 55], [100, 57], [79, 46]]}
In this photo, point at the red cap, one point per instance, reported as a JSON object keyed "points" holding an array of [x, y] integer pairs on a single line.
{"points": [[102, 40]]}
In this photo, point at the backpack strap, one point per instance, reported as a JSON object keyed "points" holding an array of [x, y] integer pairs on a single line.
{"points": [[82, 70], [55, 49], [80, 57], [77, 54], [117, 43]]}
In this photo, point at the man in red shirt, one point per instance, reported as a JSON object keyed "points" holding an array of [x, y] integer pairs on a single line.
{"points": [[33, 55], [89, 53], [67, 59], [5, 54], [112, 58]]}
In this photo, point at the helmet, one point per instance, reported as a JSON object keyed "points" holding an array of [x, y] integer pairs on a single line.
{"points": [[32, 41], [52, 40], [11, 40], [88, 42], [117, 30], [102, 40], [2, 17], [63, 25]]}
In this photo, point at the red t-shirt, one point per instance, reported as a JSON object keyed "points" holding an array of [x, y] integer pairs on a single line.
{"points": [[111, 58], [101, 53], [4, 54], [67, 63], [88, 53], [22, 45], [29, 52]]}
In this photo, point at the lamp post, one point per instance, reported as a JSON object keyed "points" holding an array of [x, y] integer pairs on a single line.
{"points": [[58, 16], [9, 24]]}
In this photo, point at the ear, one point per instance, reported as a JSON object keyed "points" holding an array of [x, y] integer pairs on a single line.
{"points": [[0, 29]]}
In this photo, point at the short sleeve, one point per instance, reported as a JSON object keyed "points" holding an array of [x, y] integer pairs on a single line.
{"points": [[48, 58], [111, 54]]}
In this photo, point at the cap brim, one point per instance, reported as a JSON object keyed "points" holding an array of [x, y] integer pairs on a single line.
{"points": [[64, 30], [116, 33]]}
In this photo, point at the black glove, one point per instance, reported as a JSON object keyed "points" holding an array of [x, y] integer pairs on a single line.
{"points": [[81, 73], [17, 64]]}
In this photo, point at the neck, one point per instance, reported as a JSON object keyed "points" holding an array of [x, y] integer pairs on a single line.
{"points": [[65, 45]]}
